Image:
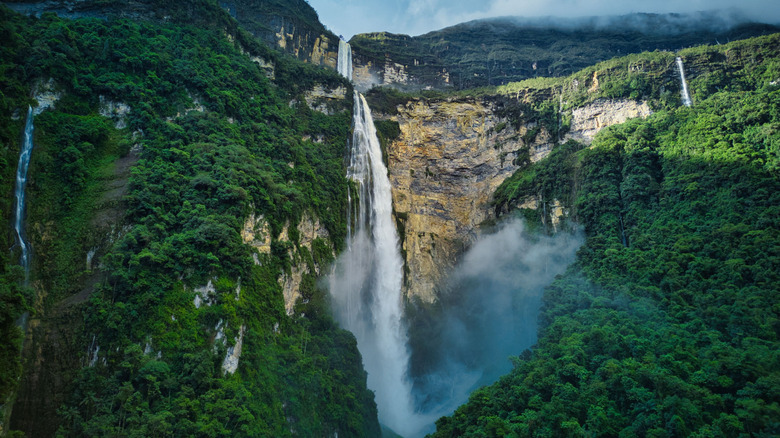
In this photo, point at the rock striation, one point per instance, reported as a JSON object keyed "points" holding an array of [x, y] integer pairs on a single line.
{"points": [[450, 157]]}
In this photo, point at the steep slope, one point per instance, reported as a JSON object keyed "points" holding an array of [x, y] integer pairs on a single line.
{"points": [[502, 50], [667, 323], [157, 300]]}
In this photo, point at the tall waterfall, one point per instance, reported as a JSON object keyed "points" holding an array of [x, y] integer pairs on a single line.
{"points": [[366, 282], [686, 97], [345, 59], [21, 183]]}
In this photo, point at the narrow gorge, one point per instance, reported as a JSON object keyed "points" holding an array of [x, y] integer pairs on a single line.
{"points": [[444, 164]]}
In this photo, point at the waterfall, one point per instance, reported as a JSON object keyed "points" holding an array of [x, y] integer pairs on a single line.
{"points": [[21, 183], [366, 280], [345, 59], [686, 97]]}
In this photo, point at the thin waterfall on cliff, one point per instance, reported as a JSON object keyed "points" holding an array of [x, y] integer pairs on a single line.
{"points": [[366, 281], [345, 59], [21, 183], [686, 97]]}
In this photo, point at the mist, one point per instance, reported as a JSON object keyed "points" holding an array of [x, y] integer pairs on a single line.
{"points": [[349, 17], [486, 313], [645, 23]]}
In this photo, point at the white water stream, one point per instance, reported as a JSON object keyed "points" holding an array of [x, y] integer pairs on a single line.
{"points": [[366, 283], [21, 183], [502, 279], [686, 97], [345, 59]]}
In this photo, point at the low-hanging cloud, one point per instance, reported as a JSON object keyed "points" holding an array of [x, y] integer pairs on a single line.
{"points": [[414, 17], [487, 313]]}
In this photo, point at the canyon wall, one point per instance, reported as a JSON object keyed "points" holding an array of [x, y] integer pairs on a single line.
{"points": [[450, 157]]}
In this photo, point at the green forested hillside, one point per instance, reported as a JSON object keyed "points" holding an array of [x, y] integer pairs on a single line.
{"points": [[668, 323], [145, 361]]}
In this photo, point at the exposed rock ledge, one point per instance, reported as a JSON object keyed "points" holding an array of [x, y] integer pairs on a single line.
{"points": [[256, 233], [588, 120], [319, 98]]}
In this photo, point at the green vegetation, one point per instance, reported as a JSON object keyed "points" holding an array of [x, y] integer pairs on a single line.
{"points": [[668, 323], [199, 176]]}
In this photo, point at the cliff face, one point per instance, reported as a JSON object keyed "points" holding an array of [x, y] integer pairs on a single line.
{"points": [[292, 26], [371, 71], [450, 157]]}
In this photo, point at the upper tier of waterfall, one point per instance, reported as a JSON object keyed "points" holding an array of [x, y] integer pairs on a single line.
{"points": [[345, 59]]}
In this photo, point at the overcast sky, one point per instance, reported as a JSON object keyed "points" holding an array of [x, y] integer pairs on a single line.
{"points": [[414, 17]]}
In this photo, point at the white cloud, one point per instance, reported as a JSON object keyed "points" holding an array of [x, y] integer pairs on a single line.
{"points": [[414, 17]]}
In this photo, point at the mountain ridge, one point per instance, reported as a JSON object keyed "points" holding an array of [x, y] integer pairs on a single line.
{"points": [[501, 50]]}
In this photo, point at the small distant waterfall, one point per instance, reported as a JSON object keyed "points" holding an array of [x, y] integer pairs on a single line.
{"points": [[345, 59], [686, 97], [21, 183], [367, 278]]}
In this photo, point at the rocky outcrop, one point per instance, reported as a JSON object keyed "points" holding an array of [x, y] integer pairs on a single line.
{"points": [[588, 120], [552, 213], [256, 233], [46, 95], [449, 159], [292, 26], [323, 50], [322, 99], [117, 111], [367, 73], [309, 229], [230, 363]]}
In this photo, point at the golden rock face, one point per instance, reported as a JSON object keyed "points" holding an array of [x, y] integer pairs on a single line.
{"points": [[449, 159]]}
